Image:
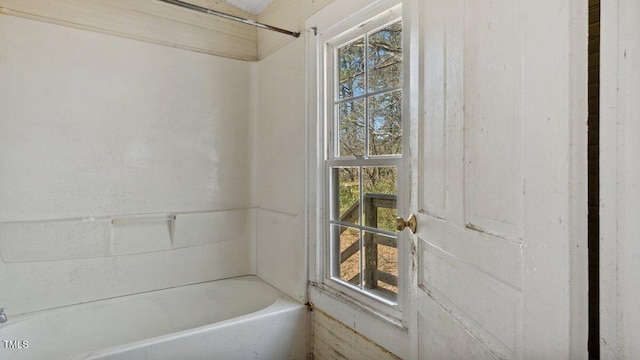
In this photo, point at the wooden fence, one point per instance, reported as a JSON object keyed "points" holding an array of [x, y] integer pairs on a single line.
{"points": [[372, 275]]}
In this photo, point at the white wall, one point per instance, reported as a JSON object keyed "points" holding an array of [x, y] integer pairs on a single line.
{"points": [[93, 126], [335, 340], [279, 156], [279, 134]]}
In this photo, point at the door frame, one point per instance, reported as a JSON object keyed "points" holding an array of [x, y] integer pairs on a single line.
{"points": [[619, 178]]}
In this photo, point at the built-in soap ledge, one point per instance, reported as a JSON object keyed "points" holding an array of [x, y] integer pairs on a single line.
{"points": [[141, 218], [132, 234], [141, 233]]}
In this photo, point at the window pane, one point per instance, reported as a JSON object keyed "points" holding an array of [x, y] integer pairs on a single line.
{"points": [[385, 58], [351, 132], [380, 192], [348, 243], [385, 124], [346, 183], [351, 70]]}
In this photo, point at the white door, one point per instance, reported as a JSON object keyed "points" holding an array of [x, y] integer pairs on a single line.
{"points": [[498, 173]]}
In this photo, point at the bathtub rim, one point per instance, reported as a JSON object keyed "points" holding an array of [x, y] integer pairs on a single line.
{"points": [[282, 303], [14, 318], [285, 306]]}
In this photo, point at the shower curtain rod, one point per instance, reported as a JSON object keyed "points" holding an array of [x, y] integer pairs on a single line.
{"points": [[229, 17]]}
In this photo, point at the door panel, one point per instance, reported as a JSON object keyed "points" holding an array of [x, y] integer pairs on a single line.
{"points": [[496, 179], [492, 117], [486, 253], [490, 306], [432, 135]]}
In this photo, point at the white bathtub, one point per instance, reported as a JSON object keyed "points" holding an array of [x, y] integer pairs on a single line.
{"points": [[241, 318]]}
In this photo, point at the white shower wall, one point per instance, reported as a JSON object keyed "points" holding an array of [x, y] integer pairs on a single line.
{"points": [[95, 127], [279, 180]]}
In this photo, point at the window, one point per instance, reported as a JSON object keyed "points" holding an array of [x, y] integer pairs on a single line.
{"points": [[363, 157]]}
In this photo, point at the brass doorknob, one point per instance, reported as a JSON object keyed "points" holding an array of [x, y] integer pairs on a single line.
{"points": [[410, 223]]}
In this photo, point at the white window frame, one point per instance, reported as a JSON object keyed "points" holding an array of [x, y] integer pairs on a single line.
{"points": [[369, 20]]}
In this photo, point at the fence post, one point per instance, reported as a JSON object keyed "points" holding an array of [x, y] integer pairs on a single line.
{"points": [[370, 247]]}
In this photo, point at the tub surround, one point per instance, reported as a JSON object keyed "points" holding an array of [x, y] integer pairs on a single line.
{"points": [[278, 182], [124, 167], [129, 167], [51, 240]]}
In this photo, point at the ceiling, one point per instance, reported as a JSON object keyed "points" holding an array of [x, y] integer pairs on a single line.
{"points": [[254, 7]]}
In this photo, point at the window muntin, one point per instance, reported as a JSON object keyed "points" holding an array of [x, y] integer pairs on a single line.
{"points": [[363, 161]]}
